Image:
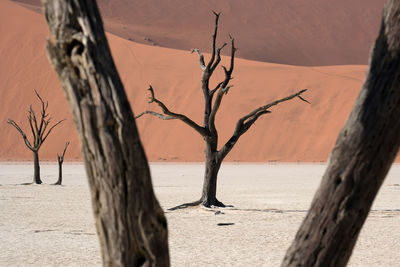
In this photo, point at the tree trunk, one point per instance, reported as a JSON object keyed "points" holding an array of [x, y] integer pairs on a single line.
{"points": [[59, 180], [130, 223], [212, 165], [363, 154], [36, 167]]}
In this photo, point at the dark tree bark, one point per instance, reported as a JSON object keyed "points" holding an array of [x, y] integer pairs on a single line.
{"points": [[40, 132], [213, 156], [361, 158], [36, 168], [130, 223], [60, 159]]}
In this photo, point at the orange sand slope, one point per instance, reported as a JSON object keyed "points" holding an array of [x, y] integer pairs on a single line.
{"points": [[306, 32], [294, 131]]}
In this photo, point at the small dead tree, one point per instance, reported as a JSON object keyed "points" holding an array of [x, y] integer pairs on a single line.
{"points": [[60, 159], [130, 223], [365, 149], [213, 156], [40, 131]]}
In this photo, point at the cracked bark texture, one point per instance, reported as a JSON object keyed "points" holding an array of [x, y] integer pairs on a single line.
{"points": [[364, 151], [130, 223]]}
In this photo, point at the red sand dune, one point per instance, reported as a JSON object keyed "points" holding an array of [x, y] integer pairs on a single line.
{"points": [[306, 32], [294, 131]]}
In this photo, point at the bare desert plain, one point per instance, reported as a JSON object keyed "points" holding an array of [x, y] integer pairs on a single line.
{"points": [[47, 225]]}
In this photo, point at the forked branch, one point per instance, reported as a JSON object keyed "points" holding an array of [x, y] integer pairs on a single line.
{"points": [[247, 121], [223, 87], [169, 115], [61, 157]]}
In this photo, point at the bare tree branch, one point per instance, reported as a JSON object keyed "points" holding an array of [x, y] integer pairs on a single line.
{"points": [[214, 39], [254, 112], [212, 92], [46, 135], [31, 125], [16, 126], [201, 59], [65, 148], [43, 111], [61, 157], [156, 114], [171, 115], [218, 59], [247, 121], [223, 88]]}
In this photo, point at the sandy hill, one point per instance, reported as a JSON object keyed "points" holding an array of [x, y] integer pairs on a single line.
{"points": [[306, 32], [294, 131]]}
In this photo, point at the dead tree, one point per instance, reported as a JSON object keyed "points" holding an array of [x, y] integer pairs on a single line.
{"points": [[361, 158], [60, 159], [40, 132], [130, 223], [213, 156]]}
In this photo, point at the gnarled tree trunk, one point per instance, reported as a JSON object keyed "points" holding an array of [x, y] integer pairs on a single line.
{"points": [[363, 154], [130, 223]]}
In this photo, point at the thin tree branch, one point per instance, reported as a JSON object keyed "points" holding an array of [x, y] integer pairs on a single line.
{"points": [[212, 92], [32, 112], [156, 114], [49, 131], [218, 59], [254, 112], [65, 148], [61, 157], [16, 126], [31, 126], [247, 121], [201, 58], [43, 111], [217, 104], [223, 88], [214, 39], [169, 113]]}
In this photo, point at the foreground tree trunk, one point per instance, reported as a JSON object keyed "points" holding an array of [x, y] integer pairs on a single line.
{"points": [[36, 168], [130, 223], [213, 156], [363, 154]]}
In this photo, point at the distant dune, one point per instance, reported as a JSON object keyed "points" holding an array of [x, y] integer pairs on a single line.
{"points": [[294, 131], [302, 32]]}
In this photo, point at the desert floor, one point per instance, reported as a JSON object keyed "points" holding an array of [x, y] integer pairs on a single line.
{"points": [[50, 225]]}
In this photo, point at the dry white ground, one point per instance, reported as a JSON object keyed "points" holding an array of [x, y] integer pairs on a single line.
{"points": [[53, 226]]}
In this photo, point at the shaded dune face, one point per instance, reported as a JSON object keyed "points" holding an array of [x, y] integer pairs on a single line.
{"points": [[294, 131], [307, 32]]}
